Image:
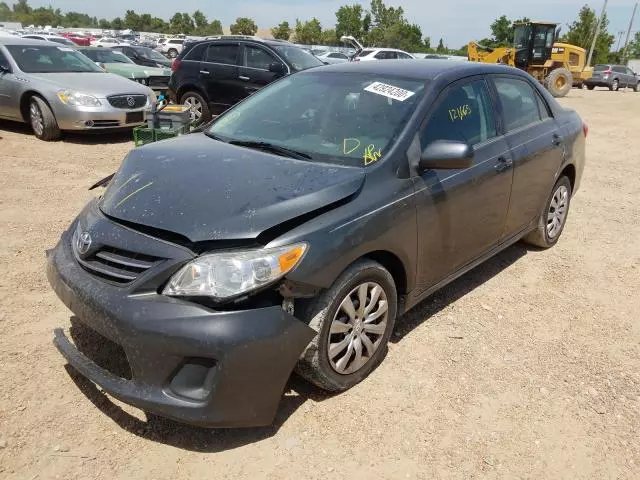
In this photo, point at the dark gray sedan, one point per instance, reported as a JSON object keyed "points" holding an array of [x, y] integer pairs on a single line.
{"points": [[54, 88], [301, 225]]}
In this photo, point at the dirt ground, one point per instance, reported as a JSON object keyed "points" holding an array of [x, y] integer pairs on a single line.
{"points": [[527, 367]]}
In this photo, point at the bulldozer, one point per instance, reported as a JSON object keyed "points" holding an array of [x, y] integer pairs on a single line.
{"points": [[558, 66]]}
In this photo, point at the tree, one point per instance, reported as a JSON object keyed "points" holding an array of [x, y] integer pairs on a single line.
{"points": [[200, 19], [117, 24], [244, 26], [427, 43], [132, 21], [5, 12], [282, 31], [22, 11], [329, 37], [350, 20], [158, 25], [581, 33], [441, 48], [181, 23], [308, 33], [215, 28], [502, 29], [104, 24], [633, 50]]}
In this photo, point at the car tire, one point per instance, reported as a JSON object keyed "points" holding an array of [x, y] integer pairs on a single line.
{"points": [[556, 211], [590, 87], [198, 107], [173, 53], [42, 121], [615, 85], [359, 344], [559, 82], [636, 87]]}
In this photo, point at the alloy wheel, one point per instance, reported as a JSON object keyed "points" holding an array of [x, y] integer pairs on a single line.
{"points": [[195, 108], [37, 121], [358, 328], [557, 213]]}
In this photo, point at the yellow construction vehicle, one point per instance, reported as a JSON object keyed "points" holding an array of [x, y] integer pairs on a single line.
{"points": [[558, 66]]}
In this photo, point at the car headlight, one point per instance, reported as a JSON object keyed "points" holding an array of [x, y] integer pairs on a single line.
{"points": [[77, 99], [229, 274]]}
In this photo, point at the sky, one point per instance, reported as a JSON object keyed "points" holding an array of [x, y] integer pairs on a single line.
{"points": [[457, 21]]}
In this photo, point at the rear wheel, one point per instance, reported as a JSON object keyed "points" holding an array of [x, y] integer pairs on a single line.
{"points": [[590, 87], [559, 82], [615, 85], [354, 320], [42, 121], [553, 217], [636, 87], [198, 107]]}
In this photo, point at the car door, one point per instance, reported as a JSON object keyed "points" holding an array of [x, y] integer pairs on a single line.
{"points": [[633, 80], [10, 88], [461, 213], [619, 73], [219, 72], [537, 148], [254, 71]]}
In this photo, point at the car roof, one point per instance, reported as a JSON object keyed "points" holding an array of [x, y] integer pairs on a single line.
{"points": [[22, 41], [420, 69]]}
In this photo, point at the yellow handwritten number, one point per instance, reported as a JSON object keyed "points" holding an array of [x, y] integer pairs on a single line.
{"points": [[459, 113], [371, 155]]}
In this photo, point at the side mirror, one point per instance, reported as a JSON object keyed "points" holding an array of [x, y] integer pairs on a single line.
{"points": [[446, 154], [277, 67]]}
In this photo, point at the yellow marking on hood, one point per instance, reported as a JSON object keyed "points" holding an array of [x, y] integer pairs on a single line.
{"points": [[133, 193]]}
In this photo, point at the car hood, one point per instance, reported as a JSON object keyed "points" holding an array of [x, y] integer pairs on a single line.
{"points": [[136, 71], [207, 190], [98, 84]]}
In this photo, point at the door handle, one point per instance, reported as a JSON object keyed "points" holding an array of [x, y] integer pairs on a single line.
{"points": [[503, 164], [205, 72], [243, 78], [557, 140]]}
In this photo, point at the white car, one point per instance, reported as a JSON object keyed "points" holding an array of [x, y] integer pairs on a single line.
{"points": [[333, 57], [172, 47], [369, 54], [105, 42], [50, 38]]}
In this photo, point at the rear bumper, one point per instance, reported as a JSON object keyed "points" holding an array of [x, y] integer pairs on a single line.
{"points": [[187, 362]]}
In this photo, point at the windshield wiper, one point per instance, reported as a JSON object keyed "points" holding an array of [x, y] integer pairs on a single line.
{"points": [[270, 147]]}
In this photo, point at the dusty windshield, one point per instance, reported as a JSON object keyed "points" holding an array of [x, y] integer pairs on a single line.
{"points": [[106, 56], [351, 119], [298, 58]]}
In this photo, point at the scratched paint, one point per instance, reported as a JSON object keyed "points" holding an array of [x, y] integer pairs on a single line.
{"points": [[133, 193]]}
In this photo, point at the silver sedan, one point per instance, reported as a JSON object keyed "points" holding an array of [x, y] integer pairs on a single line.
{"points": [[55, 88]]}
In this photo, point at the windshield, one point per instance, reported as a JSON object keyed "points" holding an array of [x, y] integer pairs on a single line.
{"points": [[350, 119], [51, 59], [150, 53], [521, 36], [105, 56], [298, 58]]}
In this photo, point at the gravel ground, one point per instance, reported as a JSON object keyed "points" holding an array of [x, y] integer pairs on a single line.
{"points": [[527, 367]]}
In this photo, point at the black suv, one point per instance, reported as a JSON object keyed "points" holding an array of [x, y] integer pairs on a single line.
{"points": [[212, 75]]}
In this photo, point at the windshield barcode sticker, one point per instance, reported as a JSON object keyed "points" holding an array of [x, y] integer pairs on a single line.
{"points": [[389, 91]]}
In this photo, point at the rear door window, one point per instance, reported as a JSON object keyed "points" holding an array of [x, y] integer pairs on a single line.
{"points": [[619, 69], [196, 53], [601, 68], [465, 114], [225, 54], [519, 102]]}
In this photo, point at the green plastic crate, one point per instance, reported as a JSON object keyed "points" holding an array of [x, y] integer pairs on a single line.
{"points": [[144, 135]]}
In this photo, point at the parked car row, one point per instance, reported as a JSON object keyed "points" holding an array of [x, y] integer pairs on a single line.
{"points": [[613, 77]]}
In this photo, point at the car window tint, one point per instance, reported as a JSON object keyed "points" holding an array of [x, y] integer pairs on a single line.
{"points": [[364, 53], [256, 57], [225, 54], [197, 53], [465, 115], [618, 69], [381, 55], [519, 102], [543, 108], [4, 62]]}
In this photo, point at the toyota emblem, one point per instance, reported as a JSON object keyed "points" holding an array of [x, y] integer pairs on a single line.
{"points": [[83, 243], [131, 101]]}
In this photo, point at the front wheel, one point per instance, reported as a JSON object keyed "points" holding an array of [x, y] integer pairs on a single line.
{"points": [[42, 121], [590, 87], [354, 320], [554, 216], [198, 107], [636, 87], [559, 82], [615, 85]]}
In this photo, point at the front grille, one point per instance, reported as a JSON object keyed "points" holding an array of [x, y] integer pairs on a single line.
{"points": [[100, 350], [159, 82], [128, 102], [115, 265]]}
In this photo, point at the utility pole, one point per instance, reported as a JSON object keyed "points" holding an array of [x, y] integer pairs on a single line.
{"points": [[626, 43], [619, 40], [595, 37]]}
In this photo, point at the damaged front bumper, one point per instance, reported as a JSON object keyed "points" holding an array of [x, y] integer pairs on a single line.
{"points": [[187, 362]]}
